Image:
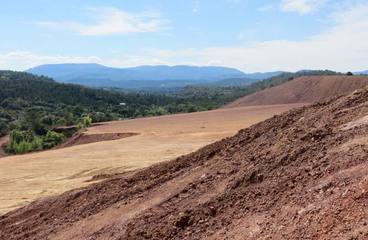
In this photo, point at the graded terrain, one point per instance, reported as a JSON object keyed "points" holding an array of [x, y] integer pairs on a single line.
{"points": [[299, 175], [308, 89], [24, 178]]}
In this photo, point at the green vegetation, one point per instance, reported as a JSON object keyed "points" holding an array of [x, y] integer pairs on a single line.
{"points": [[84, 122], [52, 139], [31, 107]]}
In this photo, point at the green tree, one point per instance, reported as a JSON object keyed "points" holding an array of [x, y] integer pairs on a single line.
{"points": [[52, 139], [84, 122]]}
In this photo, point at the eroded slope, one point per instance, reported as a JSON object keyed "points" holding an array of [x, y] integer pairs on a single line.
{"points": [[299, 175]]}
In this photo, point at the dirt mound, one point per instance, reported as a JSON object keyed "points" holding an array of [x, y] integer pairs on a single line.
{"points": [[299, 175], [85, 138], [308, 89]]}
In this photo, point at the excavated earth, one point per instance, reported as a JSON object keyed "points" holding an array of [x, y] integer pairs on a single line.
{"points": [[81, 138], [307, 89], [299, 175]]}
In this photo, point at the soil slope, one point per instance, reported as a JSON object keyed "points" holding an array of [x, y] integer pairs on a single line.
{"points": [[299, 175], [25, 178], [307, 89]]}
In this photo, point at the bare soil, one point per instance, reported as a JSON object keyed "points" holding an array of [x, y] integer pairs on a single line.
{"points": [[80, 138], [308, 89], [299, 175], [25, 178]]}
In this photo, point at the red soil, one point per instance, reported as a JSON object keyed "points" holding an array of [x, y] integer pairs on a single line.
{"points": [[299, 175], [304, 90]]}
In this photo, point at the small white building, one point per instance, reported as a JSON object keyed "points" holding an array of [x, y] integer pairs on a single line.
{"points": [[122, 104]]}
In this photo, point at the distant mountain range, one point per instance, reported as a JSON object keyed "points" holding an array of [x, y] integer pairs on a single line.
{"points": [[161, 76], [362, 73]]}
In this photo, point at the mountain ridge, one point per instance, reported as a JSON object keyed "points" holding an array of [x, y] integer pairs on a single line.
{"points": [[146, 76]]}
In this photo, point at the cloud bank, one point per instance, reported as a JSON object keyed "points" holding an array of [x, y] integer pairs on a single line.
{"points": [[343, 47], [113, 21], [302, 6], [22, 60]]}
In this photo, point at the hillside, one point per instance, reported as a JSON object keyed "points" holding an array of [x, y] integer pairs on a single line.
{"points": [[59, 104], [299, 175], [32, 106], [307, 89], [163, 137]]}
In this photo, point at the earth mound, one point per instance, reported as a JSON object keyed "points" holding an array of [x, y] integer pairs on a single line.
{"points": [[307, 89], [299, 175]]}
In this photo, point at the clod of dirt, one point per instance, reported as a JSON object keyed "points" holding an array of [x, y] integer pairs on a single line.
{"points": [[183, 220]]}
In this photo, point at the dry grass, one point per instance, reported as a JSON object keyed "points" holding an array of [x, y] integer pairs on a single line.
{"points": [[28, 177]]}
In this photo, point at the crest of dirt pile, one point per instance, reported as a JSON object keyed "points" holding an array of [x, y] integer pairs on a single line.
{"points": [[299, 175], [308, 89], [80, 138]]}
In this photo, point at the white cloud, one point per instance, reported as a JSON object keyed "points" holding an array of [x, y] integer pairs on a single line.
{"points": [[22, 60], [343, 47], [266, 8], [301, 6], [113, 21]]}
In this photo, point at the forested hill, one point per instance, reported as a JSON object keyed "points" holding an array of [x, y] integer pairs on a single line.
{"points": [[32, 88], [66, 103], [31, 106]]}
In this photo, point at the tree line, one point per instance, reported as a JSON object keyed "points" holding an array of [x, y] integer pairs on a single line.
{"points": [[32, 106]]}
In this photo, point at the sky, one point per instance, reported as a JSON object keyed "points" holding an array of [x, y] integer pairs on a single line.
{"points": [[251, 35]]}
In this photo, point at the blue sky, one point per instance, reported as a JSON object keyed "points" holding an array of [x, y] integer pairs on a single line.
{"points": [[249, 35]]}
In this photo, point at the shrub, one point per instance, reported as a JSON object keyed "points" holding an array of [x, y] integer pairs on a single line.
{"points": [[84, 122], [23, 142], [52, 139]]}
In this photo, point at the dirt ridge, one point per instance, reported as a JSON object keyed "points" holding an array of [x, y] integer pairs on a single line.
{"points": [[298, 175], [307, 89], [80, 138]]}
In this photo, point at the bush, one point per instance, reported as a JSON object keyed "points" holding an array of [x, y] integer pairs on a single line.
{"points": [[84, 122], [52, 139], [23, 142], [87, 121]]}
